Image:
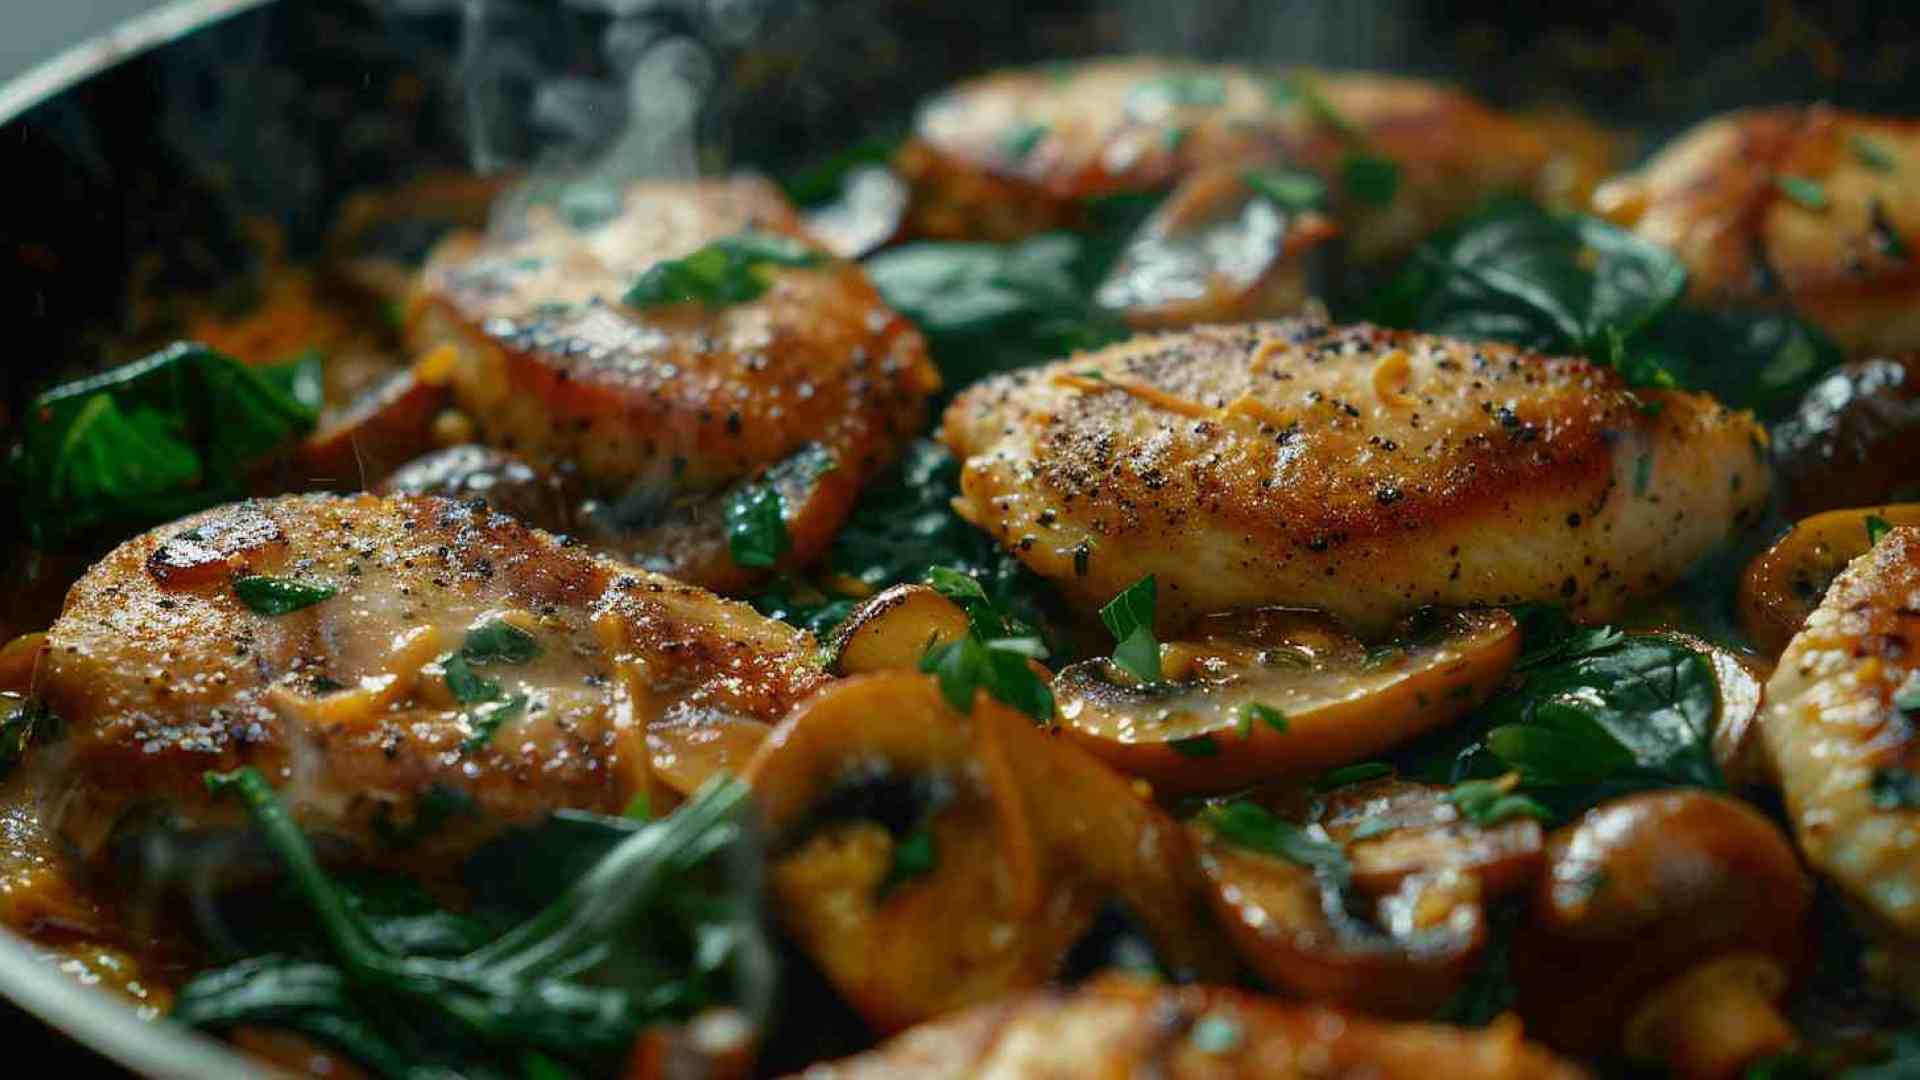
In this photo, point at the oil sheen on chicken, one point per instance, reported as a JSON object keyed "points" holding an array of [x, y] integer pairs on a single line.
{"points": [[664, 408], [1808, 208], [1362, 471], [1839, 728], [458, 652]]}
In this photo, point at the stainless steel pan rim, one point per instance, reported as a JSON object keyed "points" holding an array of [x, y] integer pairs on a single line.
{"points": [[129, 39], [92, 1017]]}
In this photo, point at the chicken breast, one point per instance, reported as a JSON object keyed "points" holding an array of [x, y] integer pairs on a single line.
{"points": [[1839, 726], [442, 649], [1810, 208], [1122, 1026], [1021, 151], [1353, 469], [672, 353]]}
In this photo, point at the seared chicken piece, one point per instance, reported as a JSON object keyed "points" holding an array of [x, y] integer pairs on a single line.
{"points": [[666, 404], [1021, 151], [1813, 209], [1121, 1026], [1839, 726], [1361, 471], [457, 650]]}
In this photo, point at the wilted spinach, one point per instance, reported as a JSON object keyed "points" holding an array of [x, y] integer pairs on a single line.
{"points": [[645, 930], [155, 439], [988, 308], [1569, 283]]}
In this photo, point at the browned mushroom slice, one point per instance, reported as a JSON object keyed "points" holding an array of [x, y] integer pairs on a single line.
{"points": [[504, 481], [928, 860], [1854, 438], [1218, 250], [1276, 693], [1667, 924], [894, 629], [357, 446], [1379, 900], [1784, 583]]}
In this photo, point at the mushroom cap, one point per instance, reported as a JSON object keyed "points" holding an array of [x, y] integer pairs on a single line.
{"points": [[1643, 889]]}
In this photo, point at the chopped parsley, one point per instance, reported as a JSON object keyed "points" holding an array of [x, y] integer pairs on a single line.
{"points": [[731, 270], [1250, 825], [1490, 802], [914, 855], [1288, 189], [1129, 617], [1352, 774], [1021, 140], [1877, 527], [267, 595], [1808, 193], [999, 666], [1252, 711]]}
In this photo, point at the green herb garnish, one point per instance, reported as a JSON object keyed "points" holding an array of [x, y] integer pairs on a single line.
{"points": [[914, 855], [1490, 802], [267, 595], [1253, 826], [1129, 617], [1907, 698], [1021, 140], [1808, 193], [1877, 527], [1352, 774], [998, 666], [1289, 189], [731, 270], [757, 526], [155, 439], [1370, 178], [1871, 154], [1251, 711], [498, 640]]}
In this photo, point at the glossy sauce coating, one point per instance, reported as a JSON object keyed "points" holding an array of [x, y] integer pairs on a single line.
{"points": [[160, 672]]}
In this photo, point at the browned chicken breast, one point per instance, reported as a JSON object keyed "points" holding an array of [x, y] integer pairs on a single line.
{"points": [[1020, 151], [679, 349], [1839, 727], [1814, 209], [363, 651], [1357, 470], [1120, 1026]]}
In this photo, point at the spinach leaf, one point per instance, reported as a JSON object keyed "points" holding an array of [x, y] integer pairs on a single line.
{"points": [[267, 595], [731, 270], [1592, 717], [1554, 282], [987, 308], [155, 439], [1755, 360], [1567, 283], [647, 930]]}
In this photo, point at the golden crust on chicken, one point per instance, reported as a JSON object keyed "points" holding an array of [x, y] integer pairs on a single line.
{"points": [[1362, 471], [1811, 208], [437, 645], [665, 402]]}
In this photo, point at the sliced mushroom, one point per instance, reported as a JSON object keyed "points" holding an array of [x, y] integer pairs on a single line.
{"points": [[1854, 438], [928, 860], [1277, 693], [1411, 926], [894, 629], [1215, 251], [1668, 924], [385, 427], [1784, 583]]}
